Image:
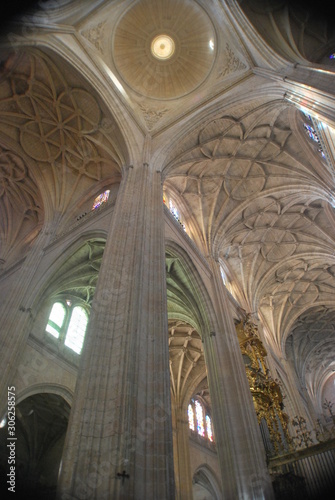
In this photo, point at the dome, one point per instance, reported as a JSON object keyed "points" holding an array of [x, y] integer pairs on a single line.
{"points": [[164, 50]]}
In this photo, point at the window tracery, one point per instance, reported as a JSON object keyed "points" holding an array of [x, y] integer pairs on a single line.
{"points": [[68, 322], [199, 421]]}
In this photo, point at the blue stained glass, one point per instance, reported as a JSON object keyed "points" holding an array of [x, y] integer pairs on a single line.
{"points": [[307, 116], [99, 200], [311, 132]]}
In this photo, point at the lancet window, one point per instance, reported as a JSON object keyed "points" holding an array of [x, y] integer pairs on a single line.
{"points": [[199, 420], [68, 322]]}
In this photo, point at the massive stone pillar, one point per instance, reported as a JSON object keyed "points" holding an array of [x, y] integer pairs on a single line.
{"points": [[238, 440], [181, 449], [299, 400], [17, 313], [119, 440]]}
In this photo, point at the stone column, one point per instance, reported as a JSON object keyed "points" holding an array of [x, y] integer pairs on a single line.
{"points": [[181, 451], [238, 439], [16, 310], [119, 440], [301, 404]]}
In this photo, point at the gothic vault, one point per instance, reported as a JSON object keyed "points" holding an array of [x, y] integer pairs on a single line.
{"points": [[167, 232]]}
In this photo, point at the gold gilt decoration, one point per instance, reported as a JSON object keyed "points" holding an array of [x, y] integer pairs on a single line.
{"points": [[266, 392]]}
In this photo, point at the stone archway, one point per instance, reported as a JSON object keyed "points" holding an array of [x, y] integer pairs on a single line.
{"points": [[40, 428], [204, 487]]}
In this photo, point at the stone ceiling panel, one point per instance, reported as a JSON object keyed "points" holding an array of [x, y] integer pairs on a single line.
{"points": [[61, 128], [253, 191]]}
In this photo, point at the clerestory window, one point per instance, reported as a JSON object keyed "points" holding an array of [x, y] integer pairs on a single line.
{"points": [[311, 132], [174, 211], [99, 200], [199, 420], [68, 322]]}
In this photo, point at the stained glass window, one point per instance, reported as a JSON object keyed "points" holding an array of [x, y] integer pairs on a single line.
{"points": [[200, 418], [311, 132], [197, 421], [313, 135], [307, 116], [76, 330], [175, 214], [332, 56], [190, 417], [173, 210], [56, 319], [99, 200], [209, 428]]}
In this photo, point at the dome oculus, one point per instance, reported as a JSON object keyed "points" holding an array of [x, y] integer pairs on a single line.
{"points": [[162, 47]]}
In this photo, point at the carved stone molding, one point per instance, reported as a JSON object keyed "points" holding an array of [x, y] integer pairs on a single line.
{"points": [[232, 63], [95, 35], [20, 204], [152, 116]]}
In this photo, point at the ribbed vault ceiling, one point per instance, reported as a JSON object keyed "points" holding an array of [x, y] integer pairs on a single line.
{"points": [[297, 29], [255, 191], [250, 184], [78, 275], [187, 363]]}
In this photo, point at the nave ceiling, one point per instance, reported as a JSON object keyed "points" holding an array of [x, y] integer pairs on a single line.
{"points": [[250, 184]]}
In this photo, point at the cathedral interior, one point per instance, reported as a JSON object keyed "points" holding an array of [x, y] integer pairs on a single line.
{"points": [[167, 259]]}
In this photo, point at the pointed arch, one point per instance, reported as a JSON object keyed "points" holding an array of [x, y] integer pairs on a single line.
{"points": [[205, 477], [188, 296]]}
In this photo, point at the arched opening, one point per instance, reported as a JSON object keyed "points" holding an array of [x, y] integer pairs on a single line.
{"points": [[41, 422], [65, 307], [204, 485], [190, 394]]}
